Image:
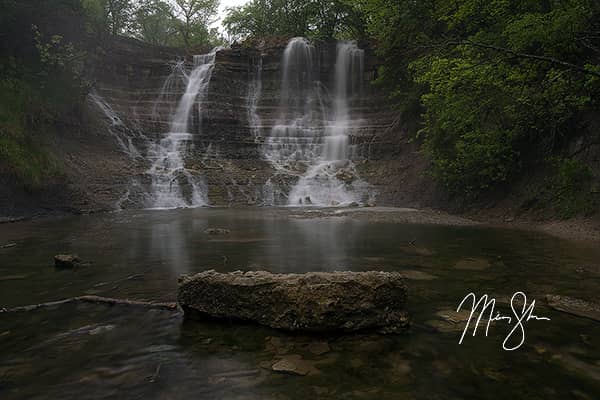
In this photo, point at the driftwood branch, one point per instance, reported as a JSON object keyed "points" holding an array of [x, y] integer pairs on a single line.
{"points": [[94, 300]]}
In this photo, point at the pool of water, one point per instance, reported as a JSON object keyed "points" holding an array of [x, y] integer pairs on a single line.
{"points": [[88, 351]]}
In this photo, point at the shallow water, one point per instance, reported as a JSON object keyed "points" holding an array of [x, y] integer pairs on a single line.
{"points": [[92, 351]]}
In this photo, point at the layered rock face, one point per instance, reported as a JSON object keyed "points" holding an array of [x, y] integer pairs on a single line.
{"points": [[224, 153], [315, 302]]}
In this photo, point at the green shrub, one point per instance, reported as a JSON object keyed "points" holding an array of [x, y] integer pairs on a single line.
{"points": [[570, 188]]}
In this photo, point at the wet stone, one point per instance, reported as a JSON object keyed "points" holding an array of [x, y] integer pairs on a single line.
{"points": [[66, 261], [319, 348], [311, 302], [217, 231], [277, 345], [451, 321], [573, 306], [294, 364]]}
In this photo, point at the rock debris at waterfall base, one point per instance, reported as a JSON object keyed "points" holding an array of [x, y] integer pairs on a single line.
{"points": [[312, 302]]}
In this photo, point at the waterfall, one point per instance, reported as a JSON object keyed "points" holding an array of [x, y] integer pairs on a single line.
{"points": [[173, 185], [116, 127], [294, 137], [254, 92], [311, 137], [349, 69]]}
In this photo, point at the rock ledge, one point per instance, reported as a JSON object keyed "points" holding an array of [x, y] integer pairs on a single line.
{"points": [[314, 302]]}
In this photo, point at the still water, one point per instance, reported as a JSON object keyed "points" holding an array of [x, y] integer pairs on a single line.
{"points": [[86, 351]]}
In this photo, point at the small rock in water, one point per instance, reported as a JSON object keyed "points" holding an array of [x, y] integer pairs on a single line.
{"points": [[452, 321], [294, 364], [276, 345], [573, 306], [319, 348], [353, 204], [66, 261], [217, 231]]}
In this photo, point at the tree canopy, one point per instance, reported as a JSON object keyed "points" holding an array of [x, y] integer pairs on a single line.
{"points": [[310, 18], [176, 23], [500, 84]]}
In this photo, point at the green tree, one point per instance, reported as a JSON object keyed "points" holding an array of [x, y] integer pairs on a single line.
{"points": [[154, 23], [501, 84], [41, 82], [111, 16], [119, 14], [193, 18], [312, 18]]}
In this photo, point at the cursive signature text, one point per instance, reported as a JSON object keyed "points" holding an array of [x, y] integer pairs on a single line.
{"points": [[522, 312]]}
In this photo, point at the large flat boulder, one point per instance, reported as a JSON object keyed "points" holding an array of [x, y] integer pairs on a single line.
{"points": [[314, 302]]}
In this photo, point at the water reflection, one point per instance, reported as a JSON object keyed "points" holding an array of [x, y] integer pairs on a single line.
{"points": [[302, 245], [169, 244], [139, 255]]}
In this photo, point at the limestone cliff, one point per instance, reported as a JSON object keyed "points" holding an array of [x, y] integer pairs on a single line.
{"points": [[227, 143], [106, 155]]}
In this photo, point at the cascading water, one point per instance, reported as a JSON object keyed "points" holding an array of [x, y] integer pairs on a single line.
{"points": [[294, 137], [173, 185], [254, 92], [116, 127], [311, 136]]}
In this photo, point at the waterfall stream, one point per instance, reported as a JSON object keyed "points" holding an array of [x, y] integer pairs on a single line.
{"points": [[122, 134], [173, 185], [310, 139], [305, 134], [254, 93]]}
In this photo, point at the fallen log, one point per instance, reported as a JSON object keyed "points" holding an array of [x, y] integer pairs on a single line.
{"points": [[95, 300], [314, 302]]}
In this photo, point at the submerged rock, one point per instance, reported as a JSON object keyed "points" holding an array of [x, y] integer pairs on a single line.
{"points": [[578, 307], [217, 231], [449, 320], [66, 261], [294, 364], [319, 348], [316, 301]]}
